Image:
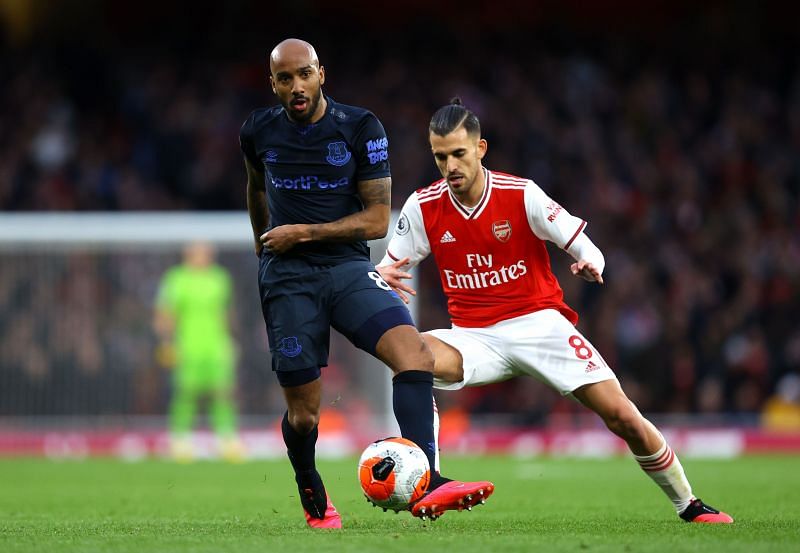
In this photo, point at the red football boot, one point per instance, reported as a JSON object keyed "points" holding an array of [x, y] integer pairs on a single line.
{"points": [[697, 511], [451, 496], [312, 501]]}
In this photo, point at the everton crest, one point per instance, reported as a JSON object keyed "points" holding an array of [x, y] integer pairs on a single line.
{"points": [[502, 230], [289, 346], [338, 154]]}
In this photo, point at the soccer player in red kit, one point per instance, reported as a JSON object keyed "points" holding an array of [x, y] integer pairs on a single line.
{"points": [[486, 231]]}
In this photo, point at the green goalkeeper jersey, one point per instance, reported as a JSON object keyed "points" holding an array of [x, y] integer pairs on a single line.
{"points": [[198, 299]]}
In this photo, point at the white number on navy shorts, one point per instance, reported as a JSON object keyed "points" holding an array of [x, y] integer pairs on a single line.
{"points": [[582, 351], [374, 275]]}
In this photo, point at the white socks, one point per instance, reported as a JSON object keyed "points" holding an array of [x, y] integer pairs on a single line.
{"points": [[665, 469]]}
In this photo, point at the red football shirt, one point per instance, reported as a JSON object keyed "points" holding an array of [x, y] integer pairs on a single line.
{"points": [[492, 258]]}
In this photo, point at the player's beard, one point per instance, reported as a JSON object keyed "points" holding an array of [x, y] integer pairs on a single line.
{"points": [[469, 186], [465, 184], [305, 117]]}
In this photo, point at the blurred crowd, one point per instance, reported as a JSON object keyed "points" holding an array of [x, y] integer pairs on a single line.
{"points": [[685, 162]]}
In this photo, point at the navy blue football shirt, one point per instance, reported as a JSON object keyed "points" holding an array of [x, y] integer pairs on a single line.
{"points": [[312, 171]]}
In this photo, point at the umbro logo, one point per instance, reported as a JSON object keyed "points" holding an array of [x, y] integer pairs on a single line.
{"points": [[447, 237]]}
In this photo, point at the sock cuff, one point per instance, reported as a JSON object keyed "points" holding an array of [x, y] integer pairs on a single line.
{"points": [[654, 456], [413, 376], [658, 461]]}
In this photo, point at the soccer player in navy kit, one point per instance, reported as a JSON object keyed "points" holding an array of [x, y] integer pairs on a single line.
{"points": [[318, 187]]}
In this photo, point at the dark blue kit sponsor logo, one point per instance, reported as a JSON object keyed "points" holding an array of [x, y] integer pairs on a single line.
{"points": [[290, 347], [307, 182], [377, 150], [338, 154]]}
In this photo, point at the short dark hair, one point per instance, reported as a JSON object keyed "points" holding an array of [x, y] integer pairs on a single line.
{"points": [[448, 118]]}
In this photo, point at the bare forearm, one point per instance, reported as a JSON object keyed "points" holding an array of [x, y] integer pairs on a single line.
{"points": [[256, 202], [369, 224], [257, 208]]}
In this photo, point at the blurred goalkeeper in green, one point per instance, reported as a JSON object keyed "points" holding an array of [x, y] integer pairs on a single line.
{"points": [[192, 322]]}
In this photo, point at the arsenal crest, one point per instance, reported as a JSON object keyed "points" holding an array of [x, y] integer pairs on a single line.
{"points": [[502, 230]]}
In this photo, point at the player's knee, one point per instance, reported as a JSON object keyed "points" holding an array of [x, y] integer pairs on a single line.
{"points": [[424, 360], [421, 361], [304, 421], [403, 349]]}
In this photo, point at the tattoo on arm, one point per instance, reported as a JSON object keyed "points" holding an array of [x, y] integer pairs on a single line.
{"points": [[375, 192], [367, 224]]}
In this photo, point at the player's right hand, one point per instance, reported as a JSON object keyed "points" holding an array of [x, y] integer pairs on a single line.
{"points": [[585, 270], [394, 275], [283, 238]]}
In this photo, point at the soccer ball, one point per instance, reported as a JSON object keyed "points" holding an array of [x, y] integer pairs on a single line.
{"points": [[394, 473]]}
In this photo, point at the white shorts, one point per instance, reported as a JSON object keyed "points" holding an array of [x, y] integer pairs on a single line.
{"points": [[543, 344]]}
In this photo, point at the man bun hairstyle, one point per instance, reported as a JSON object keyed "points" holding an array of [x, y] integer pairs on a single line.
{"points": [[448, 118]]}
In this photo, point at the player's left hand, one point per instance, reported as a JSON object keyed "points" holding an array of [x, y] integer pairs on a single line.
{"points": [[586, 271], [283, 238]]}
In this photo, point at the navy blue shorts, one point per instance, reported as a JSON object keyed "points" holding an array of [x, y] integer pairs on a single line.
{"points": [[301, 301]]}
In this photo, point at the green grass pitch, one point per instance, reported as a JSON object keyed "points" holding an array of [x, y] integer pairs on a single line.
{"points": [[541, 504]]}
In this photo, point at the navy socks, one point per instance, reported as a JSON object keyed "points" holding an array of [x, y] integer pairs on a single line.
{"points": [[413, 408], [301, 454]]}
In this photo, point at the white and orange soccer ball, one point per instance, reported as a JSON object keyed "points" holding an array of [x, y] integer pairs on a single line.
{"points": [[394, 473]]}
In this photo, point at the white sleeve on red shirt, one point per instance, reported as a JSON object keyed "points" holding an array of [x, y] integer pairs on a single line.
{"points": [[583, 248], [550, 221], [409, 238]]}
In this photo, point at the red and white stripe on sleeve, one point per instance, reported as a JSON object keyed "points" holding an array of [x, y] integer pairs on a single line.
{"points": [[549, 220]]}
